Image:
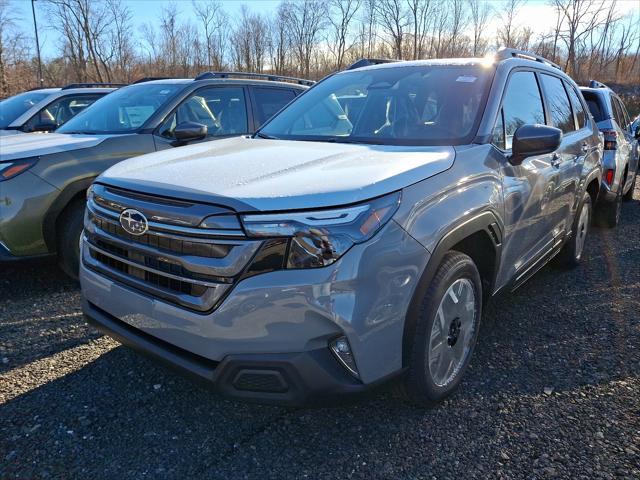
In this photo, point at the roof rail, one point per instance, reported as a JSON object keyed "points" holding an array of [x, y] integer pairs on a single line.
{"points": [[367, 62], [261, 76], [596, 84], [151, 79], [92, 85], [503, 53]]}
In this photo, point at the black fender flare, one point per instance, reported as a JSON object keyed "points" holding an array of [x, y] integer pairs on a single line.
{"points": [[483, 222], [68, 193]]}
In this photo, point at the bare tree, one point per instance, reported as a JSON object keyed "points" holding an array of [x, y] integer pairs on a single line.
{"points": [[420, 12], [508, 32], [341, 13], [479, 12], [13, 50], [305, 20], [393, 20], [577, 19], [213, 20], [120, 38]]}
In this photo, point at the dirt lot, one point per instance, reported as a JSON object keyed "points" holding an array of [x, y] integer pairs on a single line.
{"points": [[554, 391]]}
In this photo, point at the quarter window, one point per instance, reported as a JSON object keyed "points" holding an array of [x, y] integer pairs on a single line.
{"points": [[522, 104], [558, 102]]}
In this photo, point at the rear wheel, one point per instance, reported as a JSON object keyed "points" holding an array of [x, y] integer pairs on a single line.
{"points": [[572, 251], [629, 195], [446, 331], [608, 214], [70, 225]]}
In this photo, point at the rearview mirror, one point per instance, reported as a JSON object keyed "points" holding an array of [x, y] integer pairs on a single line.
{"points": [[44, 127], [530, 140], [189, 131]]}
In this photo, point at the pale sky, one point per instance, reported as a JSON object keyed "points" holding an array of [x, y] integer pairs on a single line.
{"points": [[537, 14]]}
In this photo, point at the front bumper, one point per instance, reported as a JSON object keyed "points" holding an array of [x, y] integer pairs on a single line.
{"points": [[293, 379], [291, 313]]}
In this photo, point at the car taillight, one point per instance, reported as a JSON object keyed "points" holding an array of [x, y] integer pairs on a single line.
{"points": [[610, 139], [608, 176], [12, 169]]}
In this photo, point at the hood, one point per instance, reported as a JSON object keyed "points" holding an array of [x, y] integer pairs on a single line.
{"points": [[4, 133], [269, 175], [14, 147]]}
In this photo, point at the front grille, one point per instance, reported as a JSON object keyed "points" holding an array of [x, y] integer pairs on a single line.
{"points": [[188, 266]]}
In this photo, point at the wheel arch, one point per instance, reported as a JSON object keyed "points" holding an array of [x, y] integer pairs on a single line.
{"points": [[74, 190], [472, 237]]}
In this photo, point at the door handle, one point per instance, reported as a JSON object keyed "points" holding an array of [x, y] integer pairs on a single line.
{"points": [[555, 160], [585, 147]]}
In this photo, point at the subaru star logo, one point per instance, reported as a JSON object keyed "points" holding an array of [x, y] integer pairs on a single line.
{"points": [[134, 222]]}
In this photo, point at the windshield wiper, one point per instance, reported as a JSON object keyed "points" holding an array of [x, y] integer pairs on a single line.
{"points": [[264, 135], [351, 140]]}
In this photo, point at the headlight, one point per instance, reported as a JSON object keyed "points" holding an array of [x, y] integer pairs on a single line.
{"points": [[319, 238], [12, 169]]}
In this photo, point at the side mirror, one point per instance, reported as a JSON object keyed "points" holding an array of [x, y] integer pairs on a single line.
{"points": [[189, 131], [530, 140]]}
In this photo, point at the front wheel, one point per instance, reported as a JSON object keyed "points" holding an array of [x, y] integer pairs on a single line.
{"points": [[70, 225], [572, 251], [446, 331]]}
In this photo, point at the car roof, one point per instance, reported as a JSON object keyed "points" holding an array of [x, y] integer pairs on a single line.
{"points": [[473, 61], [223, 81]]}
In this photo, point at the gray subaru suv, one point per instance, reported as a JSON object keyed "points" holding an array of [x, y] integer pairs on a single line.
{"points": [[620, 157], [355, 237]]}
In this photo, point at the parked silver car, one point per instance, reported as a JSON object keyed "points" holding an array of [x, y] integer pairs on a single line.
{"points": [[355, 237], [620, 159], [45, 109]]}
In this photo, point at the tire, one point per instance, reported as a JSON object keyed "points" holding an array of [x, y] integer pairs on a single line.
{"points": [[69, 229], [608, 213], [572, 251], [629, 195], [431, 377]]}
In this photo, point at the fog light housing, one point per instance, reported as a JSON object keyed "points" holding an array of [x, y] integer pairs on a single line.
{"points": [[342, 351]]}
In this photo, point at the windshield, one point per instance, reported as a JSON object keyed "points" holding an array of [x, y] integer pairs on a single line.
{"points": [[412, 105], [123, 111], [13, 107]]}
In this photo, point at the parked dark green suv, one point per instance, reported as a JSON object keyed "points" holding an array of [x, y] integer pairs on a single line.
{"points": [[43, 178]]}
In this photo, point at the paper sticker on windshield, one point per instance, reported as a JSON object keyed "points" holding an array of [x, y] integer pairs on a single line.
{"points": [[466, 79]]}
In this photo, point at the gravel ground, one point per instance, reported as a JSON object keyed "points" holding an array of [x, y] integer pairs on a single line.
{"points": [[553, 391]]}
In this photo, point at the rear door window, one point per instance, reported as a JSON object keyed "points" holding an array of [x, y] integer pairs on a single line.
{"points": [[269, 101], [522, 104], [581, 115], [617, 113], [558, 103], [623, 113]]}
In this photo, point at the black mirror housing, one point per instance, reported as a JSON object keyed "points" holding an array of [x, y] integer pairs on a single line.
{"points": [[530, 140], [189, 131]]}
